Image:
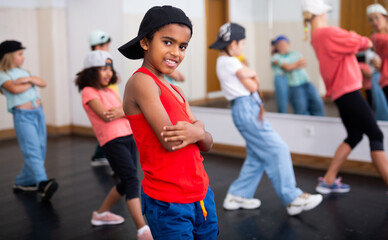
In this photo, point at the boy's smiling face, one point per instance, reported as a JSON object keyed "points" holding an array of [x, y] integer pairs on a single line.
{"points": [[167, 49]]}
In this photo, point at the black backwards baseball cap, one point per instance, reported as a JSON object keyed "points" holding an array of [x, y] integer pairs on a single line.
{"points": [[227, 34], [9, 46], [156, 17]]}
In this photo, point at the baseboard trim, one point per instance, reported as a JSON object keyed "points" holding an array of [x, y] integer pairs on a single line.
{"points": [[7, 134], [58, 131], [82, 131], [53, 131], [302, 160]]}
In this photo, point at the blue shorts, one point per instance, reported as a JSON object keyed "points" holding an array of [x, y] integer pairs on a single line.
{"points": [[179, 220]]}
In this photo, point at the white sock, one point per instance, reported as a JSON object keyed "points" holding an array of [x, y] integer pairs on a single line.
{"points": [[141, 230]]}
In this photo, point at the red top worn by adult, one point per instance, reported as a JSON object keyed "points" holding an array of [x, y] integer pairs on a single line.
{"points": [[335, 49], [380, 43], [177, 176]]}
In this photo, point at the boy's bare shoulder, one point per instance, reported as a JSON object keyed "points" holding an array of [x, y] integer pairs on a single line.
{"points": [[140, 80]]}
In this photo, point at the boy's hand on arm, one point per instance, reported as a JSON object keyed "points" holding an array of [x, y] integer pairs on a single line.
{"points": [[184, 132]]}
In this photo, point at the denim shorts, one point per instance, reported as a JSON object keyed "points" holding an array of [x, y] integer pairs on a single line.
{"points": [[181, 220]]}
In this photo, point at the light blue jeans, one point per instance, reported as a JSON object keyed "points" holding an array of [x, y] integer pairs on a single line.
{"points": [[266, 152], [281, 93], [379, 101], [305, 100], [30, 128]]}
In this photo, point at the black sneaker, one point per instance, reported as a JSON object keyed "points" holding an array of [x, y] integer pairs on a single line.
{"points": [[48, 188], [24, 188]]}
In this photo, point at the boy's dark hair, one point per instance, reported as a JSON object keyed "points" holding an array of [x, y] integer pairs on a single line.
{"points": [[89, 77], [150, 35]]}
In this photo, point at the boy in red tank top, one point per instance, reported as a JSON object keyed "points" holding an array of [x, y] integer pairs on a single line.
{"points": [[176, 197]]}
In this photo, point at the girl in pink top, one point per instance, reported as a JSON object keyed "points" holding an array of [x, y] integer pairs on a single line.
{"points": [[335, 49], [377, 16], [105, 112]]}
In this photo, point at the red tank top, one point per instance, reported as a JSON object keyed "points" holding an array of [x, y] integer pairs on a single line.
{"points": [[177, 176]]}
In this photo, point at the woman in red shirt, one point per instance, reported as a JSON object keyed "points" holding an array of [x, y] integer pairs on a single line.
{"points": [[335, 49]]}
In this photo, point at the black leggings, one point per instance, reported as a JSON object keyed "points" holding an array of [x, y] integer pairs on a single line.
{"points": [[358, 119], [122, 156]]}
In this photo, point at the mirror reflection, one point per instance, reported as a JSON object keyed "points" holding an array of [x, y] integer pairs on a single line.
{"points": [[289, 71]]}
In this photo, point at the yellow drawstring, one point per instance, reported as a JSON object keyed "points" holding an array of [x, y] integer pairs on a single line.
{"points": [[204, 212]]}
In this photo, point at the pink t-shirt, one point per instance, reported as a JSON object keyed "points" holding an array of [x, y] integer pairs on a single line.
{"points": [[105, 131], [380, 42], [335, 49]]}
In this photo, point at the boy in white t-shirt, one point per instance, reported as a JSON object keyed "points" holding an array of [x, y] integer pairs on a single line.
{"points": [[266, 151]]}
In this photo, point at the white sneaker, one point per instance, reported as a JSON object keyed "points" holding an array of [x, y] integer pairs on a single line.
{"points": [[232, 202], [304, 202]]}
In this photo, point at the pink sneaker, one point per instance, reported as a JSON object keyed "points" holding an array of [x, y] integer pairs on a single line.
{"points": [[144, 233], [106, 218]]}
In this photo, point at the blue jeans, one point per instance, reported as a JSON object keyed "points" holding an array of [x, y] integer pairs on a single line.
{"points": [[181, 220], [379, 101], [305, 100], [281, 93], [30, 128], [266, 152]]}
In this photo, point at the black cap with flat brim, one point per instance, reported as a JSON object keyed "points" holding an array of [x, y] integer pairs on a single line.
{"points": [[9, 46], [155, 18]]}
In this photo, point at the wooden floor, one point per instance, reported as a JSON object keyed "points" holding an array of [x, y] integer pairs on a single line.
{"points": [[359, 214]]}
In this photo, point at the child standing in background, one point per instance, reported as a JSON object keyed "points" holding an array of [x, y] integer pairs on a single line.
{"points": [[266, 151], [24, 103], [100, 40], [335, 49], [105, 112], [176, 196], [280, 81], [303, 96]]}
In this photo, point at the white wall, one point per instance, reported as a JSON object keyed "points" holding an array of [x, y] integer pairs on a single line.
{"points": [[83, 17]]}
